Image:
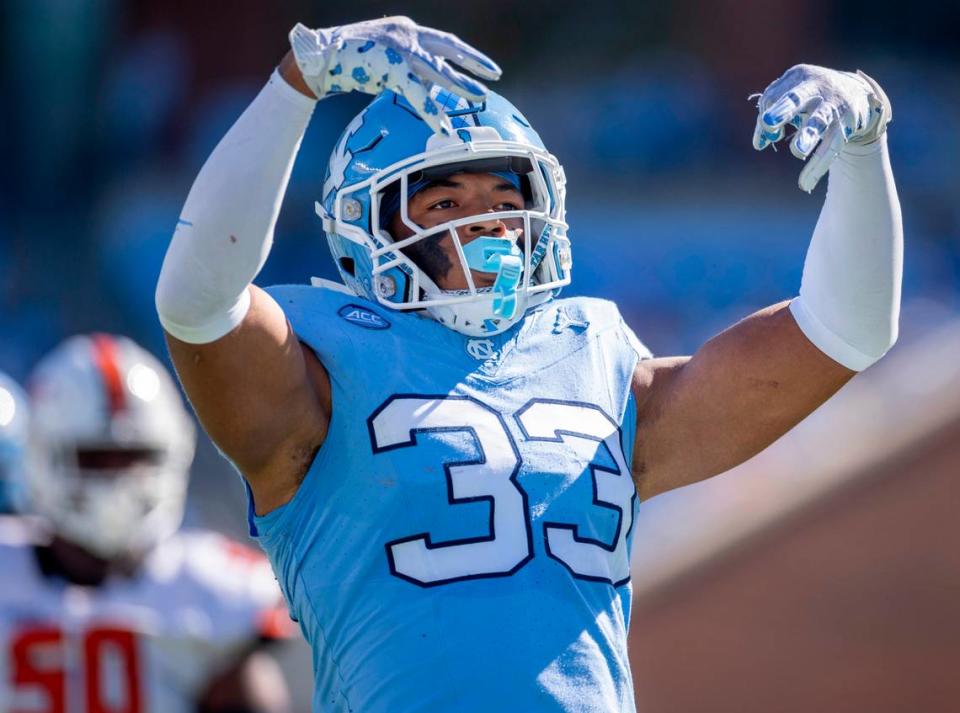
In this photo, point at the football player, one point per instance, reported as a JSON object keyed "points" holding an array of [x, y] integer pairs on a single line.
{"points": [[444, 460], [14, 420], [107, 607]]}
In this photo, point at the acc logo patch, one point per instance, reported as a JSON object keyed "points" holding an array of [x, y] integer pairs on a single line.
{"points": [[363, 317]]}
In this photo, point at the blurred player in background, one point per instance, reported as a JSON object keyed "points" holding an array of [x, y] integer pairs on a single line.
{"points": [[14, 421], [439, 454], [106, 607]]}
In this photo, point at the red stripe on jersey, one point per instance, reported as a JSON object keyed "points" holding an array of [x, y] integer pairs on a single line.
{"points": [[105, 357]]}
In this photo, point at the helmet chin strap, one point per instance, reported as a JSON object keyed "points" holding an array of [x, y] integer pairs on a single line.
{"points": [[502, 257], [496, 308]]}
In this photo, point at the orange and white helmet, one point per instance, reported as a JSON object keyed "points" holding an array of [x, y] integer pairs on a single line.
{"points": [[111, 445]]}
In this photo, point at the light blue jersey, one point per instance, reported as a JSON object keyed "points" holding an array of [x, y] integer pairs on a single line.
{"points": [[462, 540]]}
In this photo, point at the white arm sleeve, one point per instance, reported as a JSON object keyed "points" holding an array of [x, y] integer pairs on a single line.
{"points": [[849, 303], [226, 227]]}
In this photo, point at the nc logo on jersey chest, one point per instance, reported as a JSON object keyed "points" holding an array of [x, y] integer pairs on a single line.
{"points": [[363, 317], [481, 349]]}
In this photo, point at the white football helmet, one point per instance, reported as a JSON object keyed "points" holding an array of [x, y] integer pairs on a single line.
{"points": [[14, 421], [111, 446]]}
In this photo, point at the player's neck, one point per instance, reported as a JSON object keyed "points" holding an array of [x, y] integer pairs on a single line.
{"points": [[76, 565]]}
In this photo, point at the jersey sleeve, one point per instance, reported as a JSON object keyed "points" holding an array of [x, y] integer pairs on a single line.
{"points": [[639, 347], [621, 351], [315, 315]]}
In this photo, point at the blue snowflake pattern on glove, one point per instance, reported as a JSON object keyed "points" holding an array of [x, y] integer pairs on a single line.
{"points": [[826, 107], [360, 75], [403, 56]]}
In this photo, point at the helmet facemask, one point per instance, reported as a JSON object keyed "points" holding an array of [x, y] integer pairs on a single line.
{"points": [[527, 267], [113, 500]]}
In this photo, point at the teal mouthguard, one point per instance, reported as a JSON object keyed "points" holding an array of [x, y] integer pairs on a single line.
{"points": [[503, 257]]}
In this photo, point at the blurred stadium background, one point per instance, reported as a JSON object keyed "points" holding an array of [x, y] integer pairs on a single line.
{"points": [[824, 574]]}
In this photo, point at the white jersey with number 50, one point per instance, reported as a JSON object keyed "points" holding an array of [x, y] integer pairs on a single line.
{"points": [[145, 644]]}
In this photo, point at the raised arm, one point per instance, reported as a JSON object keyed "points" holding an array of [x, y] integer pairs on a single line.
{"points": [[241, 365], [262, 396], [747, 386]]}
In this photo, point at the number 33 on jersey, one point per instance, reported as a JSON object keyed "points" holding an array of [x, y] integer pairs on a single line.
{"points": [[489, 476], [492, 478]]}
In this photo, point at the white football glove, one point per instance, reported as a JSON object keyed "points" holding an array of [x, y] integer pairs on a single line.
{"points": [[825, 106], [392, 53]]}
